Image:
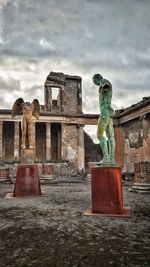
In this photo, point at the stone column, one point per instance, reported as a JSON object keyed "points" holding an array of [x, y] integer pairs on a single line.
{"points": [[63, 142], [16, 140], [1, 139], [48, 141], [146, 138], [81, 152], [48, 96]]}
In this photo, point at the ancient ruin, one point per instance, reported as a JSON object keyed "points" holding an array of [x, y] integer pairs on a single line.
{"points": [[58, 134], [59, 137]]}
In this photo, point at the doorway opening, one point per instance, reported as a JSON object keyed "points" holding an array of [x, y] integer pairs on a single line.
{"points": [[55, 141]]}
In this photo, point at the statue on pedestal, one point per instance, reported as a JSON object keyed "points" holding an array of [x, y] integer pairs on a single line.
{"points": [[29, 111], [27, 173], [105, 121]]}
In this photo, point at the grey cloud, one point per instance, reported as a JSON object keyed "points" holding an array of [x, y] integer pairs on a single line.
{"points": [[74, 28], [3, 103], [111, 37], [9, 88], [36, 91], [9, 84]]}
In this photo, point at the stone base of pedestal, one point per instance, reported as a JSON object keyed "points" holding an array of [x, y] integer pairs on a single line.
{"points": [[106, 189], [141, 188], [27, 156], [27, 180], [142, 177], [125, 213]]}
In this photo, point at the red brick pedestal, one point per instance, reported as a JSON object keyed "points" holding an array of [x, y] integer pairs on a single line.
{"points": [[4, 173], [106, 189], [47, 170], [27, 181]]}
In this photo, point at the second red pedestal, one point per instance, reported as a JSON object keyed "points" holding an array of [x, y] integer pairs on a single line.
{"points": [[27, 180], [106, 191]]}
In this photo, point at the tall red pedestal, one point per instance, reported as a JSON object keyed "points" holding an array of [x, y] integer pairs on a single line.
{"points": [[106, 189], [27, 180]]}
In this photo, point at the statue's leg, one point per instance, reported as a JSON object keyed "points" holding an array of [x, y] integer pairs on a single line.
{"points": [[30, 133], [24, 132], [102, 124], [111, 141]]}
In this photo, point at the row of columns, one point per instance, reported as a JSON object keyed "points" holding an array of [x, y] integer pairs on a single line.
{"points": [[48, 143]]}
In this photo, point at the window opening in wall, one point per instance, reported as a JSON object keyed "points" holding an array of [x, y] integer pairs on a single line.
{"points": [[55, 101]]}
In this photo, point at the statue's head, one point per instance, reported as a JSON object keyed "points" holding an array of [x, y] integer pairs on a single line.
{"points": [[105, 84], [97, 78], [27, 105]]}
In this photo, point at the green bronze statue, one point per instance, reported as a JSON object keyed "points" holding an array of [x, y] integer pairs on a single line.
{"points": [[105, 121]]}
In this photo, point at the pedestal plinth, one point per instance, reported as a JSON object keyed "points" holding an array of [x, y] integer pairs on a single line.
{"points": [[142, 177], [27, 180], [106, 189], [47, 170]]}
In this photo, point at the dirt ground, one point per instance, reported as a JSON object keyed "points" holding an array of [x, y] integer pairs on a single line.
{"points": [[51, 231]]}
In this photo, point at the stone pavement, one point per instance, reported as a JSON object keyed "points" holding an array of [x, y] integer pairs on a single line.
{"points": [[51, 231]]}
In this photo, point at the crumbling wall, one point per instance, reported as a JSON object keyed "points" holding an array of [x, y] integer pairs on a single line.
{"points": [[136, 142], [70, 96], [70, 144]]}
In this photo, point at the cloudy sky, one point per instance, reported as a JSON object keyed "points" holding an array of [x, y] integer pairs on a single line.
{"points": [[77, 37]]}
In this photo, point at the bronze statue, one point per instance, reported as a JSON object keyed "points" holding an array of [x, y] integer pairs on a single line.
{"points": [[29, 110], [105, 121]]}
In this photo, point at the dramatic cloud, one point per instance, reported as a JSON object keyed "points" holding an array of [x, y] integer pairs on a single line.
{"points": [[79, 37]]}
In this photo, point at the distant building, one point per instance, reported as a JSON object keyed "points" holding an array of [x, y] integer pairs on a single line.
{"points": [[59, 134]]}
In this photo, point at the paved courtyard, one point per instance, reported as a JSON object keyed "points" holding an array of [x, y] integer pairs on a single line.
{"points": [[51, 231]]}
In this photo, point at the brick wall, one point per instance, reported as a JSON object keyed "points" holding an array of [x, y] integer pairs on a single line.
{"points": [[136, 142], [70, 143], [119, 150]]}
